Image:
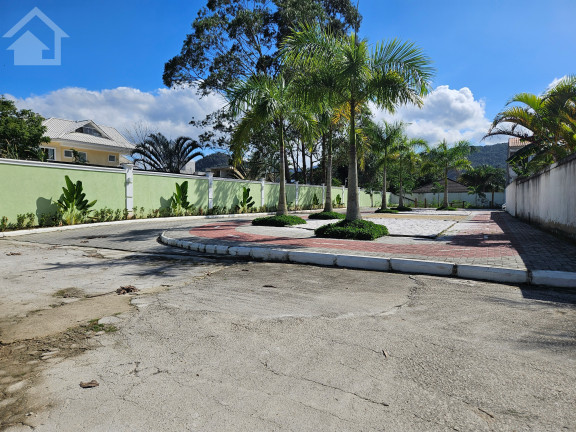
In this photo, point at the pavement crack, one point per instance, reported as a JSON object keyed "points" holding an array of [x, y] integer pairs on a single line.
{"points": [[359, 396]]}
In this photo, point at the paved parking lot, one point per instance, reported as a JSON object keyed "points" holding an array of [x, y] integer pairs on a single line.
{"points": [[238, 346]]}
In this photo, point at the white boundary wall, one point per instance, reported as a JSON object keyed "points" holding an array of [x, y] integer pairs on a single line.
{"points": [[547, 199]]}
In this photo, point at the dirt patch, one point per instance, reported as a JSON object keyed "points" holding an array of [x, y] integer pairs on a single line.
{"points": [[22, 361], [52, 321], [71, 292]]}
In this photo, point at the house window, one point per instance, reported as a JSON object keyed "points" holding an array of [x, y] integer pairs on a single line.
{"points": [[82, 156], [89, 130], [111, 158], [50, 153]]}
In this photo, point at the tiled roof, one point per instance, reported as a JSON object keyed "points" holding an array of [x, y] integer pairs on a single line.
{"points": [[66, 130], [453, 186], [517, 142]]}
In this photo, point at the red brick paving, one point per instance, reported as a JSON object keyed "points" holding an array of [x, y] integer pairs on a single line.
{"points": [[486, 238]]}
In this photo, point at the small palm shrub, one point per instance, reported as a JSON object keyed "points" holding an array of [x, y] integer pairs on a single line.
{"points": [[73, 203], [246, 202], [179, 204], [352, 230]]}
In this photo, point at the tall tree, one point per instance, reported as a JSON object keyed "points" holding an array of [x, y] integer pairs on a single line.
{"points": [[483, 179], [21, 132], [261, 101], [407, 161], [389, 74], [546, 122], [234, 39], [444, 158], [158, 153], [385, 138]]}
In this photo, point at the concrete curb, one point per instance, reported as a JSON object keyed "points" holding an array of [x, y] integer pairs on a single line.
{"points": [[557, 279], [129, 221]]}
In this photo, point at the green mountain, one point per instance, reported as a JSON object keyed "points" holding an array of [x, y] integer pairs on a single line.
{"points": [[494, 155]]}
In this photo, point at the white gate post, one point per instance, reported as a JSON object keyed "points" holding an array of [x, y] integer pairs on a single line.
{"points": [[262, 192], [129, 185], [210, 190]]}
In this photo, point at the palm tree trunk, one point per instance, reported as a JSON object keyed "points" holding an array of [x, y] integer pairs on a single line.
{"points": [[446, 187], [311, 167], [401, 197], [328, 178], [384, 203], [282, 194], [303, 162], [353, 205]]}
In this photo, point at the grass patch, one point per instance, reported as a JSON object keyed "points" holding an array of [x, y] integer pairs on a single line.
{"points": [[278, 221], [326, 215], [446, 208], [95, 327], [69, 293], [388, 210], [403, 208], [352, 230]]}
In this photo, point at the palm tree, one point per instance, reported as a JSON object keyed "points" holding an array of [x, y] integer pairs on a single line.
{"points": [[484, 178], [158, 153], [389, 74], [384, 138], [547, 123], [408, 160], [262, 101], [444, 158]]}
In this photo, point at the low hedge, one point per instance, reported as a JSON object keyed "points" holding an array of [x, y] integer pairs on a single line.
{"points": [[326, 215], [388, 210], [278, 221], [403, 208], [352, 230], [446, 208]]}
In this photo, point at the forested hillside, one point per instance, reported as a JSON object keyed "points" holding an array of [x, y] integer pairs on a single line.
{"points": [[494, 155]]}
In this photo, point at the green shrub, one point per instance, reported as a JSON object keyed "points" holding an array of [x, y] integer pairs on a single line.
{"points": [[353, 230], [49, 219], [326, 215], [403, 208], [73, 204], [278, 221], [246, 202], [445, 208], [388, 210], [3, 223]]}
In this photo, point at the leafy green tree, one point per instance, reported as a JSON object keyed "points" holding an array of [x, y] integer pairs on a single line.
{"points": [[21, 132], [408, 162], [483, 179], [234, 39], [262, 101], [444, 158], [385, 138], [389, 74], [547, 123], [158, 153]]}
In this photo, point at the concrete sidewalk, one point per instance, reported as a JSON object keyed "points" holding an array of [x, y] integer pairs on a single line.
{"points": [[491, 242]]}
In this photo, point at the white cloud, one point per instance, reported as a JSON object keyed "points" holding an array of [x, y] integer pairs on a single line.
{"points": [[555, 81], [447, 114], [165, 110]]}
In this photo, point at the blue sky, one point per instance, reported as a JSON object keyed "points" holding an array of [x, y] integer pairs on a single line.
{"points": [[112, 63]]}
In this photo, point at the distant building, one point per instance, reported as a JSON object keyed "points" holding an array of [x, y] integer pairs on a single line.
{"points": [[226, 171], [514, 144], [90, 142]]}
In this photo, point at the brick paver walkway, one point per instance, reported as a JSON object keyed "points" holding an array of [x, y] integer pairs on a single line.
{"points": [[485, 238]]}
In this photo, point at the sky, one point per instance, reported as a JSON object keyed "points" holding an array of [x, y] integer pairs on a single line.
{"points": [[112, 61]]}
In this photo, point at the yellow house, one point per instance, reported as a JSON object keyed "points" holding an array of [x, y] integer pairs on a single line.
{"points": [[84, 141]]}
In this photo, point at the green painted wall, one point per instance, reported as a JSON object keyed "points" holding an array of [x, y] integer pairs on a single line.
{"points": [[35, 189], [26, 188], [153, 192], [229, 193]]}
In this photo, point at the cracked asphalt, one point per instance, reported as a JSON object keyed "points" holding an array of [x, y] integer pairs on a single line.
{"points": [[246, 346]]}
